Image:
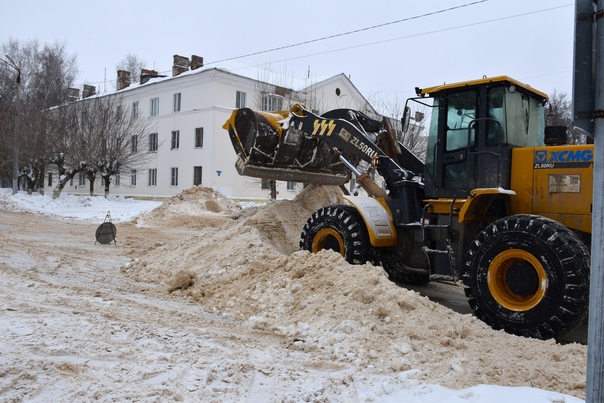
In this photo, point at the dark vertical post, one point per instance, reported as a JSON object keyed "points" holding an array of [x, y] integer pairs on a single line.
{"points": [[16, 141], [595, 332]]}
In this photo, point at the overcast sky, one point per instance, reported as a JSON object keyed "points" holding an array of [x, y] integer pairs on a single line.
{"points": [[433, 41]]}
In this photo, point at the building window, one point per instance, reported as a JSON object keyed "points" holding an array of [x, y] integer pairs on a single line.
{"points": [[174, 177], [199, 137], [197, 176], [291, 185], [81, 179], [117, 179], [153, 177], [134, 143], [272, 102], [154, 107], [176, 103], [266, 184], [50, 179], [240, 100], [175, 139], [153, 142], [135, 110], [133, 177]]}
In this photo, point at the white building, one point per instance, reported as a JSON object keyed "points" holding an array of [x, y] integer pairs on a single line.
{"points": [[189, 145]]}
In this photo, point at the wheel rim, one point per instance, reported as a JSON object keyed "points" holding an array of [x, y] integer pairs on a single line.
{"points": [[328, 238], [517, 280]]}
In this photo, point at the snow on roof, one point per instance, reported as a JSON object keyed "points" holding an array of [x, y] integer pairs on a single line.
{"points": [[266, 73]]}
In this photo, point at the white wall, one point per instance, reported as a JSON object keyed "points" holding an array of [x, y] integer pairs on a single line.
{"points": [[207, 100]]}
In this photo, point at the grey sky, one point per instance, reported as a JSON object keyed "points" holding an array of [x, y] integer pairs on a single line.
{"points": [[530, 40]]}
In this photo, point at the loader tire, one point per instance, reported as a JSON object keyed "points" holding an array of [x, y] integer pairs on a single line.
{"points": [[339, 228], [528, 275]]}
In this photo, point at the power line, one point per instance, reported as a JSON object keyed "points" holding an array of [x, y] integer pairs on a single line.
{"points": [[425, 33], [381, 41], [350, 32], [332, 36], [418, 34]]}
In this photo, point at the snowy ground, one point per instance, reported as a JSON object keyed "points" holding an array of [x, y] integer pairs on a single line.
{"points": [[151, 318]]}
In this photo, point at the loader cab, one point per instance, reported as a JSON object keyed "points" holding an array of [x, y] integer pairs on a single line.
{"points": [[472, 129]]}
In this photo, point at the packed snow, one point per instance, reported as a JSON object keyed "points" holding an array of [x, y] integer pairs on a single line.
{"points": [[202, 299]]}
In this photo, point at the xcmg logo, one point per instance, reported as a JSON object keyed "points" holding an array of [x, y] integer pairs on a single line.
{"points": [[543, 156]]}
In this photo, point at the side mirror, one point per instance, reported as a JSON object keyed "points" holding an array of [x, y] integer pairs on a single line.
{"points": [[405, 119]]}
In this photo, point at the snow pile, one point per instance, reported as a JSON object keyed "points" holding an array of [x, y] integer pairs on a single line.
{"points": [[232, 310], [250, 270], [196, 207], [90, 208]]}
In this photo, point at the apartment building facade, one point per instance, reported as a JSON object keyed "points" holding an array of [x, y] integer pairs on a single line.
{"points": [[186, 143]]}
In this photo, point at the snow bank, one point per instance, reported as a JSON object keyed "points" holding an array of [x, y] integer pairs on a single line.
{"points": [[360, 336]]}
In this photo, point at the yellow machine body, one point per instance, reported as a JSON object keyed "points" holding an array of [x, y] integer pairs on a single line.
{"points": [[555, 182]]}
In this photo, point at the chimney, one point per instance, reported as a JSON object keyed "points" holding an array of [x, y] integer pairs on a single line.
{"points": [[89, 90], [73, 94], [181, 64], [146, 75], [123, 79], [196, 62]]}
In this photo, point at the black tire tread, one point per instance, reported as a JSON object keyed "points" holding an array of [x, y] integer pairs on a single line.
{"points": [[572, 260], [349, 224]]}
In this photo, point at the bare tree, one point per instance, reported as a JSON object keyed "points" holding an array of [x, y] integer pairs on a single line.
{"points": [[559, 112], [132, 64], [33, 174], [66, 170], [46, 74], [55, 72], [273, 88], [122, 139], [415, 139], [67, 156], [272, 97], [98, 136], [91, 173]]}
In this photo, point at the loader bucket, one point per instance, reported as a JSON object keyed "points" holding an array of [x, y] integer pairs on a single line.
{"points": [[267, 147]]}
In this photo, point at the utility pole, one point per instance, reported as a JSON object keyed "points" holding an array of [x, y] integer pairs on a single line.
{"points": [[16, 138], [595, 340], [588, 112], [12, 64]]}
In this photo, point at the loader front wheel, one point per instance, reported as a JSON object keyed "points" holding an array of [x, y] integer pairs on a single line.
{"points": [[339, 228], [528, 275]]}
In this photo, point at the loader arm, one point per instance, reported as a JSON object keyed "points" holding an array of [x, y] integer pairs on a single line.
{"points": [[298, 145]]}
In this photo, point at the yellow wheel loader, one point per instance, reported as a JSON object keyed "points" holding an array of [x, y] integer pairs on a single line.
{"points": [[501, 202]]}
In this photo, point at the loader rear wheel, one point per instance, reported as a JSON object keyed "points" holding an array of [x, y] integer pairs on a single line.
{"points": [[528, 275], [339, 228]]}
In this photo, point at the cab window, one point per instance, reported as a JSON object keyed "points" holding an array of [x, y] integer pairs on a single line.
{"points": [[495, 125], [461, 111]]}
